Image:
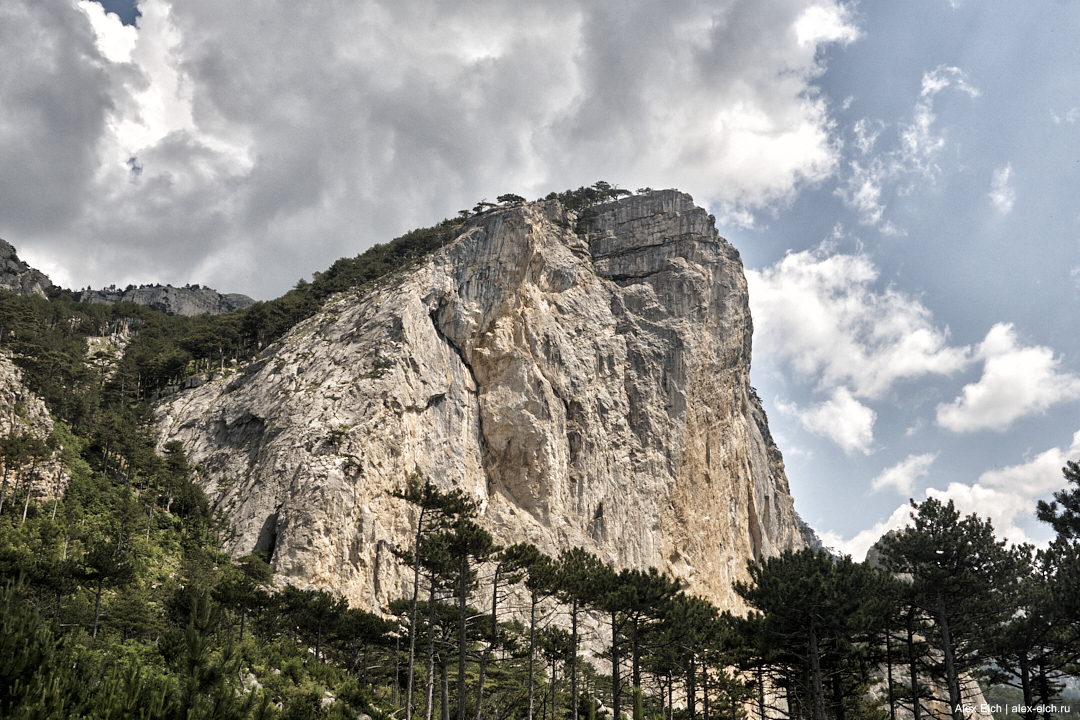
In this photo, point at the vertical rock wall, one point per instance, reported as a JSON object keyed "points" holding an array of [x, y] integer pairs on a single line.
{"points": [[589, 389]]}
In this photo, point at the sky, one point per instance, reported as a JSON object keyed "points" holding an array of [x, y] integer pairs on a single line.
{"points": [[901, 180]]}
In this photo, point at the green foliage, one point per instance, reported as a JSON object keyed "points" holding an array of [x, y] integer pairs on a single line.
{"points": [[585, 197], [117, 602], [1063, 512]]}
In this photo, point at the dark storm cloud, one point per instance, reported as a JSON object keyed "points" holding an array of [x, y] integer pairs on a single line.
{"points": [[272, 142], [54, 101]]}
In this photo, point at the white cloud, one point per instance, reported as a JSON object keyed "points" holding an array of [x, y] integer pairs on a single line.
{"points": [[1016, 381], [1002, 193], [944, 76], [1003, 496], [916, 154], [902, 476], [1038, 476], [1007, 495], [862, 190], [1002, 508], [114, 39], [273, 140], [825, 23], [842, 419], [857, 546], [866, 134], [820, 313], [1071, 116]]}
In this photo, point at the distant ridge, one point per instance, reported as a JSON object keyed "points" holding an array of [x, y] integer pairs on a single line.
{"points": [[188, 300]]}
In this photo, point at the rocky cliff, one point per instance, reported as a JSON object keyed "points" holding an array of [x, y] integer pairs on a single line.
{"points": [[24, 413], [589, 389], [187, 300], [18, 277]]}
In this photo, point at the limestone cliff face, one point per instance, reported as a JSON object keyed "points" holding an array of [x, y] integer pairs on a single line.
{"points": [[589, 389]]}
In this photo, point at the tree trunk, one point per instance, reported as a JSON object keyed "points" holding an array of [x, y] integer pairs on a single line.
{"points": [[430, 698], [532, 655], [397, 667], [3, 487], [761, 692], [838, 695], [444, 710], [491, 642], [364, 669], [952, 679], [704, 691], [29, 481], [554, 674], [412, 616], [1044, 688], [817, 692], [615, 694], [691, 688], [97, 605], [1025, 686], [463, 591], [888, 665], [573, 659], [671, 695], [913, 667]]}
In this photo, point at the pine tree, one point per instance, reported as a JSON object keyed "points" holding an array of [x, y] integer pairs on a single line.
{"points": [[1037, 644], [815, 615], [1066, 519], [437, 508], [961, 578], [577, 570], [540, 581]]}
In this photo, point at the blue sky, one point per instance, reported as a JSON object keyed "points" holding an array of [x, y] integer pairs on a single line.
{"points": [[963, 210], [900, 178]]}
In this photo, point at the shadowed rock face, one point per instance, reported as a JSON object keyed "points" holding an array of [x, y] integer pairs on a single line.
{"points": [[588, 389], [18, 277], [190, 300]]}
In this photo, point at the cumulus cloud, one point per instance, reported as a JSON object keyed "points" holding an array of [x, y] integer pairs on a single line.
{"points": [[1009, 494], [1002, 193], [114, 39], [902, 476], [1004, 496], [858, 545], [842, 419], [1016, 381], [241, 142], [821, 313]]}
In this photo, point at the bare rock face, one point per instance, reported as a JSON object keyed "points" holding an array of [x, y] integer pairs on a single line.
{"points": [[18, 277], [590, 390], [24, 413], [188, 300]]}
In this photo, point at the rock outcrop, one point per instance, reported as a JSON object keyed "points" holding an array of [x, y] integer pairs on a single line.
{"points": [[18, 277], [187, 300], [589, 389], [24, 413]]}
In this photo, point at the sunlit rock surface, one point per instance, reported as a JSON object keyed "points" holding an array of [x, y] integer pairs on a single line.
{"points": [[589, 389]]}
